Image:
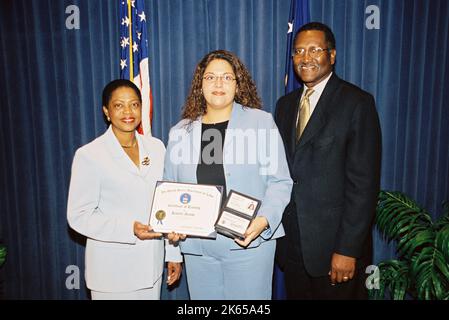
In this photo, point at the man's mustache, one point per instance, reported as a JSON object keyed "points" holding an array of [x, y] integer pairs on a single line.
{"points": [[307, 65]]}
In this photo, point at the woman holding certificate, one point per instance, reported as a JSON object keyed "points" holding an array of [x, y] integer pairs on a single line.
{"points": [[113, 178], [225, 139]]}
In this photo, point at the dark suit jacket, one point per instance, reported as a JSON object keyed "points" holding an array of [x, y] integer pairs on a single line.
{"points": [[335, 167]]}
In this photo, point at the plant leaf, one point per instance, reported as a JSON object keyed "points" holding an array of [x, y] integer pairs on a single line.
{"points": [[2, 255]]}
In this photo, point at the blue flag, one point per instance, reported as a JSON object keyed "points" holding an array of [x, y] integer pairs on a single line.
{"points": [[134, 64], [299, 15]]}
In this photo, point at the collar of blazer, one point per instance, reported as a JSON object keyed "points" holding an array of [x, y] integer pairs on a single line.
{"points": [[318, 118], [119, 155]]}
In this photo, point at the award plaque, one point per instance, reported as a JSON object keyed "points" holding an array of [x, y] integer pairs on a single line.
{"points": [[185, 208], [236, 215]]}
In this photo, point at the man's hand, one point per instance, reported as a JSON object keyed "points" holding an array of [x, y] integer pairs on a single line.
{"points": [[145, 232], [174, 272], [342, 268], [254, 230]]}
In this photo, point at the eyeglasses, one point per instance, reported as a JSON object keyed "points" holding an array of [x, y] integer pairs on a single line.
{"points": [[314, 52], [212, 78]]}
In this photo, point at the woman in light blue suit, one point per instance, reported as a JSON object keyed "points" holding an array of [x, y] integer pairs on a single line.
{"points": [[110, 196], [225, 139]]}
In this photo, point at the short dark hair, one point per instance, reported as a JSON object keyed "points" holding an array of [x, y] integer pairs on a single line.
{"points": [[318, 26], [115, 84]]}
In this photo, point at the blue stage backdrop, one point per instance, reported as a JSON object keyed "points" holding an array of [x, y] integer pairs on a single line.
{"points": [[51, 78]]}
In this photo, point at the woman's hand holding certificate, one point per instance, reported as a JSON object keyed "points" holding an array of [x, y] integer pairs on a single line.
{"points": [[256, 227], [145, 232], [174, 237]]}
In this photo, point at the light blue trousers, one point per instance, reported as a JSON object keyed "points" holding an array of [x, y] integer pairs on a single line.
{"points": [[224, 274]]}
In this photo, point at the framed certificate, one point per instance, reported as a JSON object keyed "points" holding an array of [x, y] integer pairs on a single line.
{"points": [[185, 208], [236, 215]]}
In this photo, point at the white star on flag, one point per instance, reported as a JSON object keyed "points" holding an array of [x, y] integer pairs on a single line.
{"points": [[135, 47], [290, 27], [142, 16], [132, 3], [122, 64], [124, 42], [125, 21], [138, 35]]}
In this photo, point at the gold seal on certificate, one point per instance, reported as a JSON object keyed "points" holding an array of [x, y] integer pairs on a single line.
{"points": [[237, 214], [185, 208], [160, 215]]}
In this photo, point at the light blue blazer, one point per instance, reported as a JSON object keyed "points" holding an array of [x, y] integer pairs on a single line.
{"points": [[254, 164], [107, 194]]}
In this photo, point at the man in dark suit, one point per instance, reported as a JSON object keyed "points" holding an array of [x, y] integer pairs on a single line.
{"points": [[332, 139]]}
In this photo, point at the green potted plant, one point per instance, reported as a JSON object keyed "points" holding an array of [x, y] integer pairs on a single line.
{"points": [[2, 261], [422, 267], [2, 254]]}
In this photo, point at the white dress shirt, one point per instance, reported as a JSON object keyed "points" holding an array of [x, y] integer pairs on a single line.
{"points": [[315, 96]]}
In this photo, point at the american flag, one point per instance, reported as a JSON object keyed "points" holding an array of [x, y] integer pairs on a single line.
{"points": [[299, 15], [134, 55]]}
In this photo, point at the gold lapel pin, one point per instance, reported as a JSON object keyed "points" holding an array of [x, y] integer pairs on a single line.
{"points": [[146, 161]]}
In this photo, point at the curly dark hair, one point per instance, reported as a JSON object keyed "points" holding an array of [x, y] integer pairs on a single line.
{"points": [[246, 91]]}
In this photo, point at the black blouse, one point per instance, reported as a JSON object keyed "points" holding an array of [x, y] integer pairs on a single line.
{"points": [[210, 167]]}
